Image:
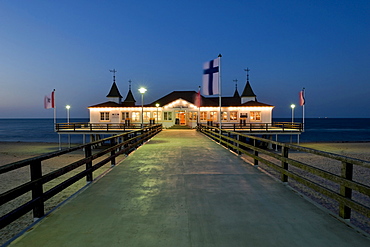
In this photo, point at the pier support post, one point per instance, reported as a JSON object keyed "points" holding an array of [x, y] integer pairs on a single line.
{"points": [[346, 173]]}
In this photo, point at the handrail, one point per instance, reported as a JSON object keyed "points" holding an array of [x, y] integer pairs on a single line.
{"points": [[233, 141], [259, 127], [81, 126], [119, 144]]}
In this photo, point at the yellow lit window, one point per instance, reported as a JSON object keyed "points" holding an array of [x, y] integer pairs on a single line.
{"points": [[255, 116]]}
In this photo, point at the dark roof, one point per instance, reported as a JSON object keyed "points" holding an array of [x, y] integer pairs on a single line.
{"points": [[255, 103], [130, 100], [185, 95], [236, 94], [114, 92], [188, 96], [248, 92], [107, 104]]}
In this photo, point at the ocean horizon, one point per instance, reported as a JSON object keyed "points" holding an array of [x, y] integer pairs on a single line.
{"points": [[316, 130]]}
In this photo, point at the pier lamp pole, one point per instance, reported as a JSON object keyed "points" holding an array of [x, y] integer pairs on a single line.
{"points": [[68, 107], [157, 105], [142, 90], [292, 106]]}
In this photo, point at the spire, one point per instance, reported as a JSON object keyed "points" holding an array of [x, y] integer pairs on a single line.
{"points": [[114, 92], [248, 94], [236, 94], [130, 100]]}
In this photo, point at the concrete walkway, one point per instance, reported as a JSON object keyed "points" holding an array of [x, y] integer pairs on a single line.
{"points": [[182, 189]]}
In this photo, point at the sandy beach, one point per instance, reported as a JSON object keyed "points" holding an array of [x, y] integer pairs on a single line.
{"points": [[12, 152]]}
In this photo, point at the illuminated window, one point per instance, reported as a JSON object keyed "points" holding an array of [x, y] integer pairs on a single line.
{"points": [[167, 115], [135, 116], [155, 115], [255, 116], [193, 115], [213, 115], [125, 115], [146, 115], [104, 116], [203, 115], [233, 115], [224, 115]]}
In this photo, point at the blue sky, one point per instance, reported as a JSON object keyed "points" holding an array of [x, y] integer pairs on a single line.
{"points": [[70, 46]]}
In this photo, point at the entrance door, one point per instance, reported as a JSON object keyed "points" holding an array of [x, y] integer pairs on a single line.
{"points": [[181, 116]]}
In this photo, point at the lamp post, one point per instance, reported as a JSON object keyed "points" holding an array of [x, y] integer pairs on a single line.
{"points": [[292, 106], [68, 107], [142, 90], [157, 105]]}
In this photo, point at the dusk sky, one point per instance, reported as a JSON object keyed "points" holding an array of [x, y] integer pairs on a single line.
{"points": [[70, 46]]}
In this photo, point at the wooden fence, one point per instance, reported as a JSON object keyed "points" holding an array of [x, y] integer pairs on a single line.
{"points": [[119, 144], [236, 142]]}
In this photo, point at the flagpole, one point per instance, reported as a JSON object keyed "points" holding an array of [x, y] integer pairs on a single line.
{"points": [[198, 105], [304, 103], [55, 111], [219, 88]]}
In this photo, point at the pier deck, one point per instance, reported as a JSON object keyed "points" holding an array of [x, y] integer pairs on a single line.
{"points": [[182, 189]]}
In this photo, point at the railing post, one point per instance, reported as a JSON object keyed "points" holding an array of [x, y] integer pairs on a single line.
{"points": [[255, 152], [37, 191], [284, 165], [89, 175], [113, 152], [237, 144], [346, 173]]}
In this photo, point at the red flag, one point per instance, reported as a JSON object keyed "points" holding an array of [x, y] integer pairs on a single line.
{"points": [[301, 98], [49, 101], [198, 99]]}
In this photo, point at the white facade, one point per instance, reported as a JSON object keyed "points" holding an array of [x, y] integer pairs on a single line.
{"points": [[181, 112]]}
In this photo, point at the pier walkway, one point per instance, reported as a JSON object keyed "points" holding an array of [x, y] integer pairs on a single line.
{"points": [[182, 189]]}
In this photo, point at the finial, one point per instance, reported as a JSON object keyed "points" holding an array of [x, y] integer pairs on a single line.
{"points": [[129, 84], [247, 70], [114, 74], [236, 84]]}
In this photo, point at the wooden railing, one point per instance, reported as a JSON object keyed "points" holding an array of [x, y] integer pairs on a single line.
{"points": [[260, 127], [59, 127], [119, 144], [281, 163]]}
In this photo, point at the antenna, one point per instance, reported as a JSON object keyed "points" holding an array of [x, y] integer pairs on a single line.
{"points": [[114, 74]]}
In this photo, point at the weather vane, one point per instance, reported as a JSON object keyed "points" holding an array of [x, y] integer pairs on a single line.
{"points": [[247, 70], [236, 84], [114, 74]]}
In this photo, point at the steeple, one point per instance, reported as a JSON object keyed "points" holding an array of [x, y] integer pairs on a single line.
{"points": [[236, 94], [248, 94], [114, 93], [130, 100]]}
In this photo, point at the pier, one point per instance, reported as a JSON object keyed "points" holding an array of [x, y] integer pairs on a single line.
{"points": [[183, 189]]}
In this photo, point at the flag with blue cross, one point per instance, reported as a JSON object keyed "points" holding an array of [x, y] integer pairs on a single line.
{"points": [[211, 72]]}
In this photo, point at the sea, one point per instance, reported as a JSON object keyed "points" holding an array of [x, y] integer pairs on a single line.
{"points": [[316, 130]]}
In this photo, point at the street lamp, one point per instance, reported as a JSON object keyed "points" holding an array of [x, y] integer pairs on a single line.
{"points": [[292, 106], [68, 107], [157, 105], [142, 90]]}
